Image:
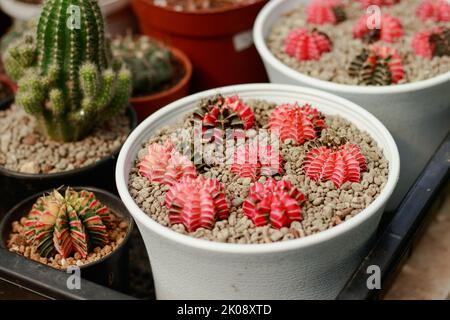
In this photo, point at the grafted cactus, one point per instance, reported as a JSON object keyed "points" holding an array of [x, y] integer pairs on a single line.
{"points": [[65, 77]]}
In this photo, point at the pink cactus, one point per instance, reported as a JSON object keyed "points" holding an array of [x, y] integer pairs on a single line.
{"points": [[325, 11], [339, 166], [252, 162], [390, 29], [277, 203], [196, 203], [165, 165], [296, 123], [307, 45], [434, 42], [436, 10], [380, 3]]}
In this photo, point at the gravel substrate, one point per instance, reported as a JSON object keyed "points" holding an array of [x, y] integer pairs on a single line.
{"points": [[17, 243], [333, 66], [325, 207], [23, 149]]}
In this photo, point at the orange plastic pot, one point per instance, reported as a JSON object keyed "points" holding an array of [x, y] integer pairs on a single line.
{"points": [[146, 105], [218, 41]]}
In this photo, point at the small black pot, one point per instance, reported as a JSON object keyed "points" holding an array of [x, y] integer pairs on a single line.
{"points": [[111, 270], [15, 186]]}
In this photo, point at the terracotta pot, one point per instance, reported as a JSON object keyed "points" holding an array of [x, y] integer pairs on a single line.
{"points": [[12, 86], [218, 41], [146, 105]]}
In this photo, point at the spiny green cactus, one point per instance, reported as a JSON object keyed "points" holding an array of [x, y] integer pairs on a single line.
{"points": [[73, 222], [65, 77], [149, 62]]}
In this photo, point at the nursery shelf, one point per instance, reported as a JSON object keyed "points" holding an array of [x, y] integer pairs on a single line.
{"points": [[390, 248]]}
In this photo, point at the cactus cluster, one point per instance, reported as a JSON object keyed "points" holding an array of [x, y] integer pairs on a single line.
{"points": [[277, 203], [339, 166], [380, 3], [69, 223], [379, 66], [150, 63], [436, 10], [65, 75], [296, 123]]}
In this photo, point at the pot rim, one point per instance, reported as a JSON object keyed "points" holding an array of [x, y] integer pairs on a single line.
{"points": [[291, 73], [184, 81], [48, 176], [139, 133], [124, 214], [204, 11], [8, 82]]}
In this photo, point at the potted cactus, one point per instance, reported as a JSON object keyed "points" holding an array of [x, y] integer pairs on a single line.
{"points": [[293, 186], [70, 117], [84, 227], [160, 74]]}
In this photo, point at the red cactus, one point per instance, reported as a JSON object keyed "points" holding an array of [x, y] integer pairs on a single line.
{"points": [[338, 166], [305, 45], [389, 30], [325, 11], [437, 10], [367, 3], [252, 162], [274, 202], [296, 123], [165, 165], [196, 203], [434, 42]]}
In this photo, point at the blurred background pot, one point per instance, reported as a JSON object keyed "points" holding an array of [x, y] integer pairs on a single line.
{"points": [[111, 270], [316, 266], [218, 41], [417, 114]]}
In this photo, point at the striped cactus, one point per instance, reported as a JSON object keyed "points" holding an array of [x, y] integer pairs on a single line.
{"points": [[65, 77], [64, 224]]}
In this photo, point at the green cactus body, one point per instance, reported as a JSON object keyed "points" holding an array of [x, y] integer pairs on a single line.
{"points": [[64, 75], [150, 63], [73, 222]]}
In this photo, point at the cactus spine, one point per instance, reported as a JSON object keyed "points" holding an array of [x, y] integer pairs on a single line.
{"points": [[65, 78]]}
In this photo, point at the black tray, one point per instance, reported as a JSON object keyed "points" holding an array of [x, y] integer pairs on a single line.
{"points": [[392, 244]]}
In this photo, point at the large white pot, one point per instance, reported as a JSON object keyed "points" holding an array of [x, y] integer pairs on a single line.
{"points": [[25, 11], [417, 114], [313, 267]]}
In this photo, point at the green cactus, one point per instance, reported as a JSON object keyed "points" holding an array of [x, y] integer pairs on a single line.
{"points": [[66, 79], [150, 63]]}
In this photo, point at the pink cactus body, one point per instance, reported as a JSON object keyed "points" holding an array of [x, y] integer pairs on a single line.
{"points": [[380, 3], [339, 166], [296, 123], [243, 110], [432, 42], [325, 11], [277, 203], [395, 62], [252, 162], [196, 203], [307, 45], [436, 10], [165, 165], [390, 29]]}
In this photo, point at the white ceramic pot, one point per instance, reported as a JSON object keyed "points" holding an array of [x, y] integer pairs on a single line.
{"points": [[313, 267], [417, 114], [25, 11]]}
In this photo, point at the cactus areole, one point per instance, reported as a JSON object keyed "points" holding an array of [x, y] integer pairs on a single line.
{"points": [[65, 77]]}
